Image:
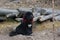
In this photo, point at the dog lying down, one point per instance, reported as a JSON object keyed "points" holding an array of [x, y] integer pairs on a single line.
{"points": [[25, 28]]}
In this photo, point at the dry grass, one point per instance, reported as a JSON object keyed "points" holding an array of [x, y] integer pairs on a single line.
{"points": [[6, 27], [9, 25], [47, 25], [38, 33]]}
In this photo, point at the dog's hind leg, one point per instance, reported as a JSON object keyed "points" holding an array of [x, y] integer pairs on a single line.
{"points": [[13, 33]]}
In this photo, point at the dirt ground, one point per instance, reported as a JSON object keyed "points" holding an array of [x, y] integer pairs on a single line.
{"points": [[14, 4], [42, 31]]}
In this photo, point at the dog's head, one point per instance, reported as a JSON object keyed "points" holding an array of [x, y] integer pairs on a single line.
{"points": [[28, 16]]}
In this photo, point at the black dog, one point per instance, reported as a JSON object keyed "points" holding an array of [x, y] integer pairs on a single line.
{"points": [[25, 28]]}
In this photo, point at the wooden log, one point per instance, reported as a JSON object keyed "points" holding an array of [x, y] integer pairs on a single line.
{"points": [[2, 19], [7, 11], [57, 18], [19, 19], [43, 18], [47, 14], [25, 9]]}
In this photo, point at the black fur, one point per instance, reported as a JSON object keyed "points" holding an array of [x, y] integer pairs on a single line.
{"points": [[23, 27]]}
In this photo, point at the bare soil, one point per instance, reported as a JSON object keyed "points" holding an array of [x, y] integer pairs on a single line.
{"points": [[42, 31]]}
